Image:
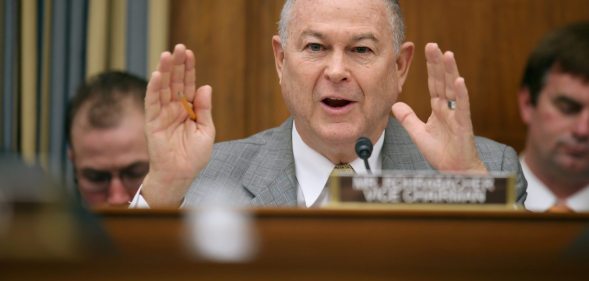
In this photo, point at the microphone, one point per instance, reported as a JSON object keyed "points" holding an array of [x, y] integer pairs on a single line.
{"points": [[364, 150]]}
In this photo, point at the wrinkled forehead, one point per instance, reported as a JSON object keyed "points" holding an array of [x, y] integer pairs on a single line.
{"points": [[366, 16]]}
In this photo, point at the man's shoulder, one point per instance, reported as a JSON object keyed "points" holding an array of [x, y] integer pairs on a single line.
{"points": [[488, 145], [246, 163], [251, 143], [496, 155], [501, 157], [490, 150], [266, 144]]}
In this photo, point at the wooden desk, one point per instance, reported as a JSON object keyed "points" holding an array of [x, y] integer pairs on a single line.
{"points": [[297, 244]]}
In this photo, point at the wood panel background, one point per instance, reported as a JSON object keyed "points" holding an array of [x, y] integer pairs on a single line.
{"points": [[490, 38]]}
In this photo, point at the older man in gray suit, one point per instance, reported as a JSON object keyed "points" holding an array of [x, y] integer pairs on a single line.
{"points": [[341, 66]]}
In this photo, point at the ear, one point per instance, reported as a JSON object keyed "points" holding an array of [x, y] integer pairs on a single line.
{"points": [[278, 55], [404, 63], [526, 107]]}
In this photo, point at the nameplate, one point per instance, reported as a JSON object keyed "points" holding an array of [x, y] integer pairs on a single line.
{"points": [[411, 188]]}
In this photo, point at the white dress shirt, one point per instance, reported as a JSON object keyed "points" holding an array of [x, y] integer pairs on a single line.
{"points": [[312, 172], [540, 198]]}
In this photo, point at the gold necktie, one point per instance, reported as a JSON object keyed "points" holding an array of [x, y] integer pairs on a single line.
{"points": [[337, 170], [560, 207], [342, 168]]}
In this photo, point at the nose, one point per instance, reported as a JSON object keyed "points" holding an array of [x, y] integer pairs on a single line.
{"points": [[336, 69], [117, 194], [581, 130]]}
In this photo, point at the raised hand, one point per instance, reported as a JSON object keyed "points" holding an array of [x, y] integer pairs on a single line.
{"points": [[178, 146], [447, 139]]}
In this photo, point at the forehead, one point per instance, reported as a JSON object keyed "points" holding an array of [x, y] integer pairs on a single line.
{"points": [[365, 16], [565, 84], [110, 148], [126, 106], [125, 133]]}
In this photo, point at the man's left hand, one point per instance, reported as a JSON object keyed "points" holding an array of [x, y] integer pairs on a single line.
{"points": [[447, 139]]}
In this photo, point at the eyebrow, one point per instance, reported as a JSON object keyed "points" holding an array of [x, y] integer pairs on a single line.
{"points": [[355, 38], [312, 33], [564, 98], [130, 166], [364, 36]]}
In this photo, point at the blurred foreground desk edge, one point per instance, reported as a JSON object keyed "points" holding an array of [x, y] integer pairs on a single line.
{"points": [[325, 244]]}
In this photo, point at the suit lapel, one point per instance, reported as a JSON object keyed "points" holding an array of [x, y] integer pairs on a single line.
{"points": [[399, 152], [271, 177]]}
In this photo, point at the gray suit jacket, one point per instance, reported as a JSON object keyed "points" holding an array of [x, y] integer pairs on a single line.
{"points": [[260, 170]]}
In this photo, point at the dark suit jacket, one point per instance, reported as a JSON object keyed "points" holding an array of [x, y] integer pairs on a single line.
{"points": [[260, 170]]}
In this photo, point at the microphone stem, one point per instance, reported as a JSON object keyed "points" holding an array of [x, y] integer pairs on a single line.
{"points": [[367, 166]]}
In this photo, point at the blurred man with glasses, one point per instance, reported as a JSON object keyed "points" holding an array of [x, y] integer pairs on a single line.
{"points": [[107, 146]]}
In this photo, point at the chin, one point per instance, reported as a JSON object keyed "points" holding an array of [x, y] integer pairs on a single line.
{"points": [[574, 166], [341, 133], [579, 168]]}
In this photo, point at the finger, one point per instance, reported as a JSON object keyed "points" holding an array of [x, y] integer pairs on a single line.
{"points": [[462, 103], [203, 108], [430, 70], [408, 119], [190, 76], [164, 69], [178, 69], [450, 75], [152, 97], [435, 70]]}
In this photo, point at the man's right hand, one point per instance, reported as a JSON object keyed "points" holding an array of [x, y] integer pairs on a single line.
{"points": [[179, 148]]}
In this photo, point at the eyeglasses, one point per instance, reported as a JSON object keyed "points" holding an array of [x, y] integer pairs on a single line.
{"points": [[96, 181]]}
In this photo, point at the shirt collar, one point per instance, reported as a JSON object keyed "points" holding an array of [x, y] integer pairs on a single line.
{"points": [[540, 198], [313, 169]]}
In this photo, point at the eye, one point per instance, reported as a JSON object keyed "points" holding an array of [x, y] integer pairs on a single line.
{"points": [[361, 50], [314, 47], [96, 176], [94, 181], [567, 106], [133, 175], [136, 171]]}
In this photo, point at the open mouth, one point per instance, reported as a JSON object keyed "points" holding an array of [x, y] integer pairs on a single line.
{"points": [[335, 103]]}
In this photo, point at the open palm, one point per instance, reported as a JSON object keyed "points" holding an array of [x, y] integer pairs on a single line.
{"points": [[447, 139], [179, 147]]}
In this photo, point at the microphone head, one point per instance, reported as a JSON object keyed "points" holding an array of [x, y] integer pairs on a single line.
{"points": [[363, 147]]}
